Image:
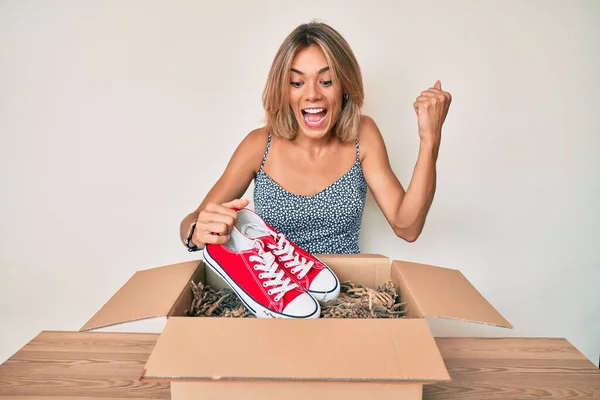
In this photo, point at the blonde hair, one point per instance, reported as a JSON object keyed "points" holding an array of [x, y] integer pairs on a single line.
{"points": [[279, 117]]}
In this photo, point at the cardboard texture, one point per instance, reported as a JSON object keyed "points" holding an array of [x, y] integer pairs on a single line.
{"points": [[273, 390], [326, 349], [150, 293], [444, 292], [251, 358]]}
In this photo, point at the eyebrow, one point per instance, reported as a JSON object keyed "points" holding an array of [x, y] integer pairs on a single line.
{"points": [[302, 73]]}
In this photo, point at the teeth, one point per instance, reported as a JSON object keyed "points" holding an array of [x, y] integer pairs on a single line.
{"points": [[313, 110]]}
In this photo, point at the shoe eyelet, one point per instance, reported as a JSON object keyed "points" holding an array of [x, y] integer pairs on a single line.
{"points": [[260, 276], [265, 284], [270, 293]]}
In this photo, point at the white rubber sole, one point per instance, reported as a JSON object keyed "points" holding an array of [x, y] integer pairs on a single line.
{"points": [[255, 308]]}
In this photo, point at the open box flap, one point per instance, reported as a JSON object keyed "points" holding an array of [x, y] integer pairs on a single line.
{"points": [[445, 293], [310, 349], [149, 293]]}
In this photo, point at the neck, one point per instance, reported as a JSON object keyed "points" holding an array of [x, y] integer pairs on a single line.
{"points": [[314, 147]]}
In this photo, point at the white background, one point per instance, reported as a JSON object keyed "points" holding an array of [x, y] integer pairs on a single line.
{"points": [[116, 118]]}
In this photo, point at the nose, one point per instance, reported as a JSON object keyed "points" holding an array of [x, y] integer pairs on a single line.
{"points": [[312, 92]]}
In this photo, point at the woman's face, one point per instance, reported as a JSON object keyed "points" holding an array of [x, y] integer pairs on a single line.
{"points": [[314, 98]]}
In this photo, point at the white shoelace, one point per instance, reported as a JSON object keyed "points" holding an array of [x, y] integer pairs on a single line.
{"points": [[265, 261], [285, 251]]}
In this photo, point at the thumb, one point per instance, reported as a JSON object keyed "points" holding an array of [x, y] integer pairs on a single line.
{"points": [[438, 85], [237, 203]]}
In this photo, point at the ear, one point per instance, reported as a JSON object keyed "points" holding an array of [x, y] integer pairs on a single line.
{"points": [[345, 99]]}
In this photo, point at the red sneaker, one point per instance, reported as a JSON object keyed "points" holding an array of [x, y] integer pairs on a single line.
{"points": [[256, 278], [306, 269]]}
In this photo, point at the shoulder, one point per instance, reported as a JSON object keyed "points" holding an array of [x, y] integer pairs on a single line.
{"points": [[256, 138], [367, 126], [251, 149], [254, 142], [369, 137]]}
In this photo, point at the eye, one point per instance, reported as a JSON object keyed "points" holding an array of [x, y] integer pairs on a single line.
{"points": [[326, 83], [296, 84]]}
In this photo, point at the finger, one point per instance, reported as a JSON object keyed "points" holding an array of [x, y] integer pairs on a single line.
{"points": [[439, 92], [417, 105], [432, 99], [213, 239], [435, 92], [438, 85], [222, 209], [221, 239], [429, 93], [237, 203], [219, 228], [224, 218], [219, 208], [426, 99], [224, 215]]}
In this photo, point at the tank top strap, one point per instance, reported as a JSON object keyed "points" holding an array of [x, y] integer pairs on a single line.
{"points": [[266, 151], [357, 150]]}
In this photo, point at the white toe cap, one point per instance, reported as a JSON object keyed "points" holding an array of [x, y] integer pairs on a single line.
{"points": [[325, 286], [303, 306]]}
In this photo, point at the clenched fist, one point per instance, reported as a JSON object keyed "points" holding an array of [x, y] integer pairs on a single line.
{"points": [[431, 108]]}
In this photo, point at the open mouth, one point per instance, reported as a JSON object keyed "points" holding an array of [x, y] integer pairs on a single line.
{"points": [[314, 117]]}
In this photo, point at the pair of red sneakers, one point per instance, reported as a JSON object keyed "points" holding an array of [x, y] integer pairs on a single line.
{"points": [[270, 274]]}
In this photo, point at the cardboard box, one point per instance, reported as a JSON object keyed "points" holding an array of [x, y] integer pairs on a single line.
{"points": [[252, 358]]}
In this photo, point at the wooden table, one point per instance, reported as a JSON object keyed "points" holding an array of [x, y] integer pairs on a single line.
{"points": [[96, 365]]}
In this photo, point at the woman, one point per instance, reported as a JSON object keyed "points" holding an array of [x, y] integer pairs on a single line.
{"points": [[316, 156]]}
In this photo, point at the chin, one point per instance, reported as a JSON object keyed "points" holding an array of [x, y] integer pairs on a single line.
{"points": [[314, 133]]}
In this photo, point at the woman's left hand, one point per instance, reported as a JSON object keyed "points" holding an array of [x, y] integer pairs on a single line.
{"points": [[431, 108]]}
